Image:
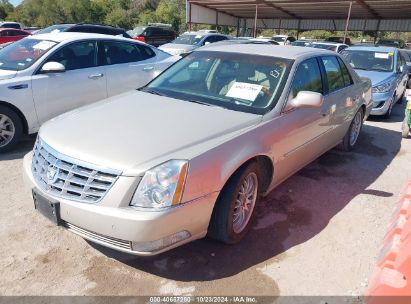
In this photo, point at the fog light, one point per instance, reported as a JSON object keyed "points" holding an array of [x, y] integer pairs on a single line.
{"points": [[162, 243]]}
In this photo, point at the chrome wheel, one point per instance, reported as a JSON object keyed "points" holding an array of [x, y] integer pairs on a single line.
{"points": [[245, 202], [355, 128], [7, 130]]}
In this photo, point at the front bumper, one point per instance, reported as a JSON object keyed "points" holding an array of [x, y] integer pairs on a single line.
{"points": [[112, 223], [381, 102]]}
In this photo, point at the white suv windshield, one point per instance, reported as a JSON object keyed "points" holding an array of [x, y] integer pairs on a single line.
{"points": [[240, 82], [188, 39], [24, 53]]}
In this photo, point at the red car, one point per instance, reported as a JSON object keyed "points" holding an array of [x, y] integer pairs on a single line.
{"points": [[10, 35]]}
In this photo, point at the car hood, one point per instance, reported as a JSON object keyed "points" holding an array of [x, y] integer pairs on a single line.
{"points": [[7, 74], [136, 131], [375, 77]]}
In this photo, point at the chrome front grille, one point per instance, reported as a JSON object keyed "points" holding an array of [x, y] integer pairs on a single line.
{"points": [[68, 178]]}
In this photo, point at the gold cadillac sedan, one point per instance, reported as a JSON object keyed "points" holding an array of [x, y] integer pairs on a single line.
{"points": [[189, 154]]}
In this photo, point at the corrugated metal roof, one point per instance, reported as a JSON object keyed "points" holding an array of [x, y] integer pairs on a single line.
{"points": [[366, 15], [315, 9]]}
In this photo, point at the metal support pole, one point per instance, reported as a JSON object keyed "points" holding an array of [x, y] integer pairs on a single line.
{"points": [[238, 27], [255, 19], [348, 22], [189, 17], [216, 20]]}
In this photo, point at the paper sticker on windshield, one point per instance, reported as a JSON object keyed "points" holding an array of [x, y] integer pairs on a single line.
{"points": [[246, 91], [43, 45], [382, 55]]}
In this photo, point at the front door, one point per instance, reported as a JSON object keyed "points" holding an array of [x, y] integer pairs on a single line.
{"points": [[82, 83], [303, 130]]}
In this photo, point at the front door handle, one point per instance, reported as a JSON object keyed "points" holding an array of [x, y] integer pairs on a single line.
{"points": [[95, 76], [148, 69]]}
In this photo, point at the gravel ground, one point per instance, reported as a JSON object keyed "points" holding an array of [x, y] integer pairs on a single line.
{"points": [[319, 233]]}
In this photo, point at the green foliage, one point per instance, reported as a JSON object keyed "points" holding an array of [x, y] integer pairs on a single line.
{"points": [[122, 13]]}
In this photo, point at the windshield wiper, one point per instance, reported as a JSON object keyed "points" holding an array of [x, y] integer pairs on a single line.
{"points": [[150, 91], [199, 102]]}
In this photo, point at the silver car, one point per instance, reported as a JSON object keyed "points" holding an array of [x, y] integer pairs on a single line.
{"points": [[190, 154]]}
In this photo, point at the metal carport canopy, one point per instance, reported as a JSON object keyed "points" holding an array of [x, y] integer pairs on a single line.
{"points": [[366, 15]]}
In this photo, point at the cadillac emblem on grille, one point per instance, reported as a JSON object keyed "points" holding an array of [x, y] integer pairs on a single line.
{"points": [[52, 174]]}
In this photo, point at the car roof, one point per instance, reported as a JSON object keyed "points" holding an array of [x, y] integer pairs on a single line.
{"points": [[63, 36], [288, 52], [372, 48], [202, 33], [329, 43]]}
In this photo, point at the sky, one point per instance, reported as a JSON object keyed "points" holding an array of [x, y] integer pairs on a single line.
{"points": [[15, 2]]}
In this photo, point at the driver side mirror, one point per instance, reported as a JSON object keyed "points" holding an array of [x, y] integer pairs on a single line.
{"points": [[306, 99], [53, 67], [207, 42]]}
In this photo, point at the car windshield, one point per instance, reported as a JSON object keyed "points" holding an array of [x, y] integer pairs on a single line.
{"points": [[137, 31], [324, 46], [24, 53], [189, 39], [279, 39], [370, 60], [299, 43], [240, 82], [54, 29]]}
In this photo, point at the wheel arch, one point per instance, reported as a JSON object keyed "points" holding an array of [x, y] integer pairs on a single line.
{"points": [[19, 113]]}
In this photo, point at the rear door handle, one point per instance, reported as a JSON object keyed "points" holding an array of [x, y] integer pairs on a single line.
{"points": [[148, 69], [95, 76]]}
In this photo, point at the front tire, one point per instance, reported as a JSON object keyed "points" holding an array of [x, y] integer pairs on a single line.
{"points": [[234, 210], [11, 129], [405, 129], [350, 139]]}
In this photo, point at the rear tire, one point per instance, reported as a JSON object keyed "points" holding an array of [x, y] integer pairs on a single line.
{"points": [[235, 203], [11, 129], [351, 137], [405, 129]]}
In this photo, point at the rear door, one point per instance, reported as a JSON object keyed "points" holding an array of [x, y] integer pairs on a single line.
{"points": [[341, 99], [128, 65], [82, 83]]}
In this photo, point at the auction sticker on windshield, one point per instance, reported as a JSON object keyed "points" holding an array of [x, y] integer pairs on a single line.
{"points": [[382, 55], [243, 90]]}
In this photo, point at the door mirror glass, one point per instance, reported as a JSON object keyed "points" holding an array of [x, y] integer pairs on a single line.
{"points": [[307, 99], [53, 67], [207, 42]]}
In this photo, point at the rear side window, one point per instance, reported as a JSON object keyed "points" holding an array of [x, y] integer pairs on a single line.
{"points": [[307, 78], [346, 74], [120, 52], [335, 78]]}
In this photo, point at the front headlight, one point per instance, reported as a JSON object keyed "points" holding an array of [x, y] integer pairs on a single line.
{"points": [[162, 186], [382, 88]]}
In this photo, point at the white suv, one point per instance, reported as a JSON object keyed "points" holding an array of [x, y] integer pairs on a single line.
{"points": [[45, 75]]}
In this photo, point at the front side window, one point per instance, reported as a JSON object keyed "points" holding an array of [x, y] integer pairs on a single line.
{"points": [[78, 55], [307, 78], [370, 60], [334, 75], [119, 52], [240, 82], [24, 53]]}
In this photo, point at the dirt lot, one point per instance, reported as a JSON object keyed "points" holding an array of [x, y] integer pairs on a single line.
{"points": [[319, 233]]}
